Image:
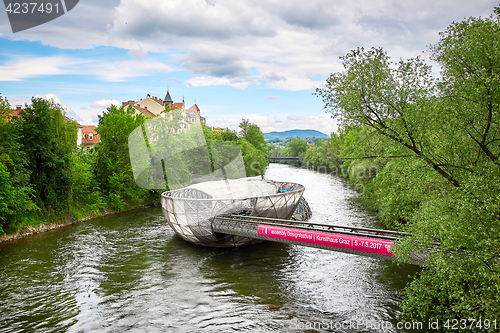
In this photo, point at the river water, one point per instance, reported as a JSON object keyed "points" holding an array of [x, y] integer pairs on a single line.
{"points": [[131, 273]]}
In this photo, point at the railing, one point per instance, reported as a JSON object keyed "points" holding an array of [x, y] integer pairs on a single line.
{"points": [[277, 159], [369, 242]]}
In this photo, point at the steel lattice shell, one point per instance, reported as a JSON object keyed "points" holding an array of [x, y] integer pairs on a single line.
{"points": [[190, 211]]}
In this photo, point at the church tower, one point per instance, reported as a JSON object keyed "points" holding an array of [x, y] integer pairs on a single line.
{"points": [[168, 101]]}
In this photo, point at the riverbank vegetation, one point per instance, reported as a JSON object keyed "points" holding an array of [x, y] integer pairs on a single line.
{"points": [[291, 147], [45, 178], [425, 150]]}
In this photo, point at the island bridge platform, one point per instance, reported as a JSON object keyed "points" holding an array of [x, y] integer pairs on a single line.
{"points": [[375, 243]]}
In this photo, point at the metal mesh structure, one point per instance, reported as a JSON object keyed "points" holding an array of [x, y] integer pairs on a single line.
{"points": [[303, 212], [190, 211]]}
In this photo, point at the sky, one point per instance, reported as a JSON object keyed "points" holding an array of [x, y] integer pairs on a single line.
{"points": [[260, 60]]}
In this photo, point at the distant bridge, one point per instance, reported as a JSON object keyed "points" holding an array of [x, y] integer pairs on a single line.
{"points": [[278, 159], [369, 242]]}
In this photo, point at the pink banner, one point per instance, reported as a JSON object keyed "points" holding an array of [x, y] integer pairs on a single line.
{"points": [[365, 244]]}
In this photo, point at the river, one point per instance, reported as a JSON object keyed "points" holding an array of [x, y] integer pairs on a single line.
{"points": [[130, 273]]}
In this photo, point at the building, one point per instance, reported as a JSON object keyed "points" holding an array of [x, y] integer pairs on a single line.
{"points": [[218, 130], [7, 114], [89, 137], [16, 112], [154, 107]]}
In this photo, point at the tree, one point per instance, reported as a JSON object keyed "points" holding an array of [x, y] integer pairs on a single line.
{"points": [[451, 180], [296, 147], [16, 183], [244, 125], [397, 102], [469, 55], [114, 171], [464, 278], [6, 197], [48, 139], [255, 160], [86, 195], [228, 135], [253, 134]]}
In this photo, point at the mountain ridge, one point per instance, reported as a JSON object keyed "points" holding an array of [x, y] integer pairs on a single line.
{"points": [[295, 132]]}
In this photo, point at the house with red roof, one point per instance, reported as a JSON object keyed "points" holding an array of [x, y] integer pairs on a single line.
{"points": [[90, 137], [138, 108], [8, 114]]}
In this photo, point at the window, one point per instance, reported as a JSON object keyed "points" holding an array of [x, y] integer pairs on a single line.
{"points": [[91, 136]]}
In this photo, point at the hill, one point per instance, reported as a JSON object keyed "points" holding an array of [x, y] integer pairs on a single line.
{"points": [[300, 133]]}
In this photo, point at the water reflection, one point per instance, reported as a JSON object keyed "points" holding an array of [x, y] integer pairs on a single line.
{"points": [[129, 272]]}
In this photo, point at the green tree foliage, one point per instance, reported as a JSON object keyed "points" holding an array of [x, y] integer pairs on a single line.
{"points": [[320, 157], [465, 219], [469, 55], [296, 148], [227, 142], [15, 161], [86, 194], [6, 197], [253, 134], [114, 172], [228, 135], [253, 148], [48, 139], [245, 126], [255, 159], [397, 101], [445, 190]]}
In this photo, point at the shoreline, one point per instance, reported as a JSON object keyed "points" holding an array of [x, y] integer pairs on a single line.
{"points": [[27, 231]]}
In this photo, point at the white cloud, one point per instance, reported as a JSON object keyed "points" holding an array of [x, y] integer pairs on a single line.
{"points": [[204, 81], [323, 123], [173, 79], [309, 14], [49, 97], [71, 114], [122, 70], [268, 123], [208, 60], [105, 103], [284, 45], [16, 102], [138, 53], [53, 98], [29, 67], [189, 19], [20, 69], [90, 113], [85, 115]]}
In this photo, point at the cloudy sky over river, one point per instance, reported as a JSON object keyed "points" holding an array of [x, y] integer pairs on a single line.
{"points": [[259, 59]]}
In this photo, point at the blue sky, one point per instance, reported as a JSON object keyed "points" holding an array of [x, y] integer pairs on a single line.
{"points": [[260, 59]]}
